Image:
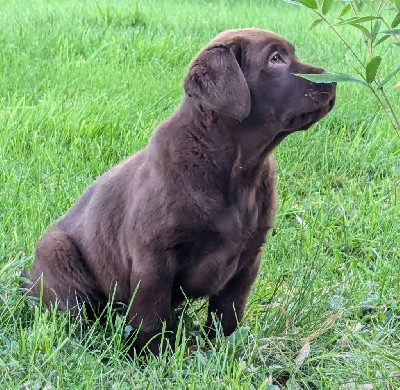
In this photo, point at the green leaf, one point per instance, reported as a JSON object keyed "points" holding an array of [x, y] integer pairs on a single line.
{"points": [[309, 3], [326, 6], [316, 22], [389, 77], [239, 336], [372, 68], [380, 40], [391, 32], [128, 330], [362, 19], [358, 4], [375, 29], [397, 4], [345, 10], [396, 21], [364, 30], [330, 78]]}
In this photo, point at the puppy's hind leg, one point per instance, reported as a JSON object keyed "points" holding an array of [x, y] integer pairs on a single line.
{"points": [[59, 275]]}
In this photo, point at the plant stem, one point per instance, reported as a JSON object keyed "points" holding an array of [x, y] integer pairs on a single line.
{"points": [[396, 119], [393, 121], [383, 2], [341, 38]]}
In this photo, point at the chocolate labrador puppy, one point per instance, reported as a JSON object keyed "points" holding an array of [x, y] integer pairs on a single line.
{"points": [[188, 215]]}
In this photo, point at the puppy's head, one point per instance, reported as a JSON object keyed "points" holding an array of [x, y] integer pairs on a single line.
{"points": [[248, 75]]}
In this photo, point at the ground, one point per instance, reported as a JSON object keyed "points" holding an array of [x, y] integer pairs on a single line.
{"points": [[82, 86]]}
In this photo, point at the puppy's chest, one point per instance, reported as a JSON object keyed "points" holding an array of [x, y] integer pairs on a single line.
{"points": [[211, 260], [245, 210]]}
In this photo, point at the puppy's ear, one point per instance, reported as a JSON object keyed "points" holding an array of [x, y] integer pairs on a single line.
{"points": [[216, 81]]}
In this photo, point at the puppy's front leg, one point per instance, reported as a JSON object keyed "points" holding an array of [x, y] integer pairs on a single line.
{"points": [[228, 305], [151, 306]]}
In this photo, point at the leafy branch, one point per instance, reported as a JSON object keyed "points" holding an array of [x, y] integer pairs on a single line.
{"points": [[370, 27]]}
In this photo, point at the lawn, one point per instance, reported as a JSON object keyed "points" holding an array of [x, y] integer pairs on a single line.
{"points": [[82, 85]]}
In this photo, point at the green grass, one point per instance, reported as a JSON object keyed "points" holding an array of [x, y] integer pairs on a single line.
{"points": [[82, 85]]}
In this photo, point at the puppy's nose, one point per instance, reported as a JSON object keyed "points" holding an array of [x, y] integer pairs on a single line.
{"points": [[332, 85], [326, 87]]}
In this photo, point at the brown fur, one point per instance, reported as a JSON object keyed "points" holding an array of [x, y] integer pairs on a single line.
{"points": [[191, 211]]}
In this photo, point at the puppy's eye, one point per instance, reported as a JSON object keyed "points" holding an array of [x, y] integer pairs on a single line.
{"points": [[275, 58]]}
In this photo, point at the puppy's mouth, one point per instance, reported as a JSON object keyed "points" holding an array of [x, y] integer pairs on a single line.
{"points": [[307, 119]]}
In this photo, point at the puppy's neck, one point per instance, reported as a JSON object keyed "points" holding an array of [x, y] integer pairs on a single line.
{"points": [[214, 145], [252, 140]]}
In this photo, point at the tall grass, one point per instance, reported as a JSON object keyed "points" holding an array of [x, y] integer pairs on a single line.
{"points": [[82, 85]]}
